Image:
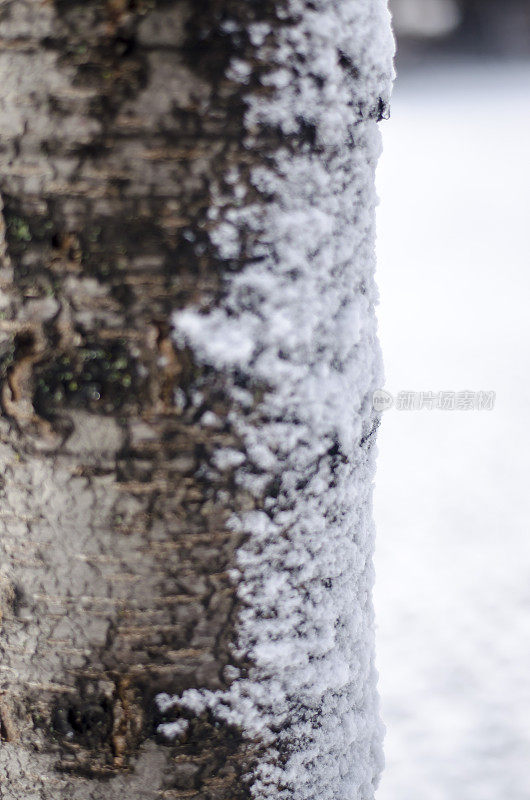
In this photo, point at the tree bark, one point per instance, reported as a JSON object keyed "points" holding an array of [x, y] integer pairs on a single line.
{"points": [[126, 448]]}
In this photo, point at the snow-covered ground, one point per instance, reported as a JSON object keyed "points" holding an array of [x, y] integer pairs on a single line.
{"points": [[452, 500]]}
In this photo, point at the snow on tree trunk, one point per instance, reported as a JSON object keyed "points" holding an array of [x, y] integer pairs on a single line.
{"points": [[298, 322], [185, 551]]}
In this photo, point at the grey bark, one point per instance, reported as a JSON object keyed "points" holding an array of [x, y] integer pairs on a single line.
{"points": [[115, 119]]}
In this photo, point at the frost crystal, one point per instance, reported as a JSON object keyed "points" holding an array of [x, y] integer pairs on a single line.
{"points": [[170, 730], [300, 319]]}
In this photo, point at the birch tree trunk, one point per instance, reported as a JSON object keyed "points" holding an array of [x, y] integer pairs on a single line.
{"points": [[188, 353]]}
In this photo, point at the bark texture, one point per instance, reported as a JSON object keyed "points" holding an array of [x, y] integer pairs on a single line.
{"points": [[119, 129], [115, 119]]}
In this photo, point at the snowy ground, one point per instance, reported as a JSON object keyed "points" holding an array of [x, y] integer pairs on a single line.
{"points": [[452, 501]]}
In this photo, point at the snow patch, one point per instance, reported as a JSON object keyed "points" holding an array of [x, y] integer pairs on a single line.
{"points": [[171, 730], [299, 320]]}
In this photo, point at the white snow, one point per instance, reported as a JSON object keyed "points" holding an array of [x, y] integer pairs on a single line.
{"points": [[300, 320], [171, 730], [451, 502]]}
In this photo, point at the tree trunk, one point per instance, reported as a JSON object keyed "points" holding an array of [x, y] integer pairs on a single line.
{"points": [[188, 354]]}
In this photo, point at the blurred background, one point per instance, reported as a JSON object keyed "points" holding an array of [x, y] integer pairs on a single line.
{"points": [[444, 28], [452, 499]]}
